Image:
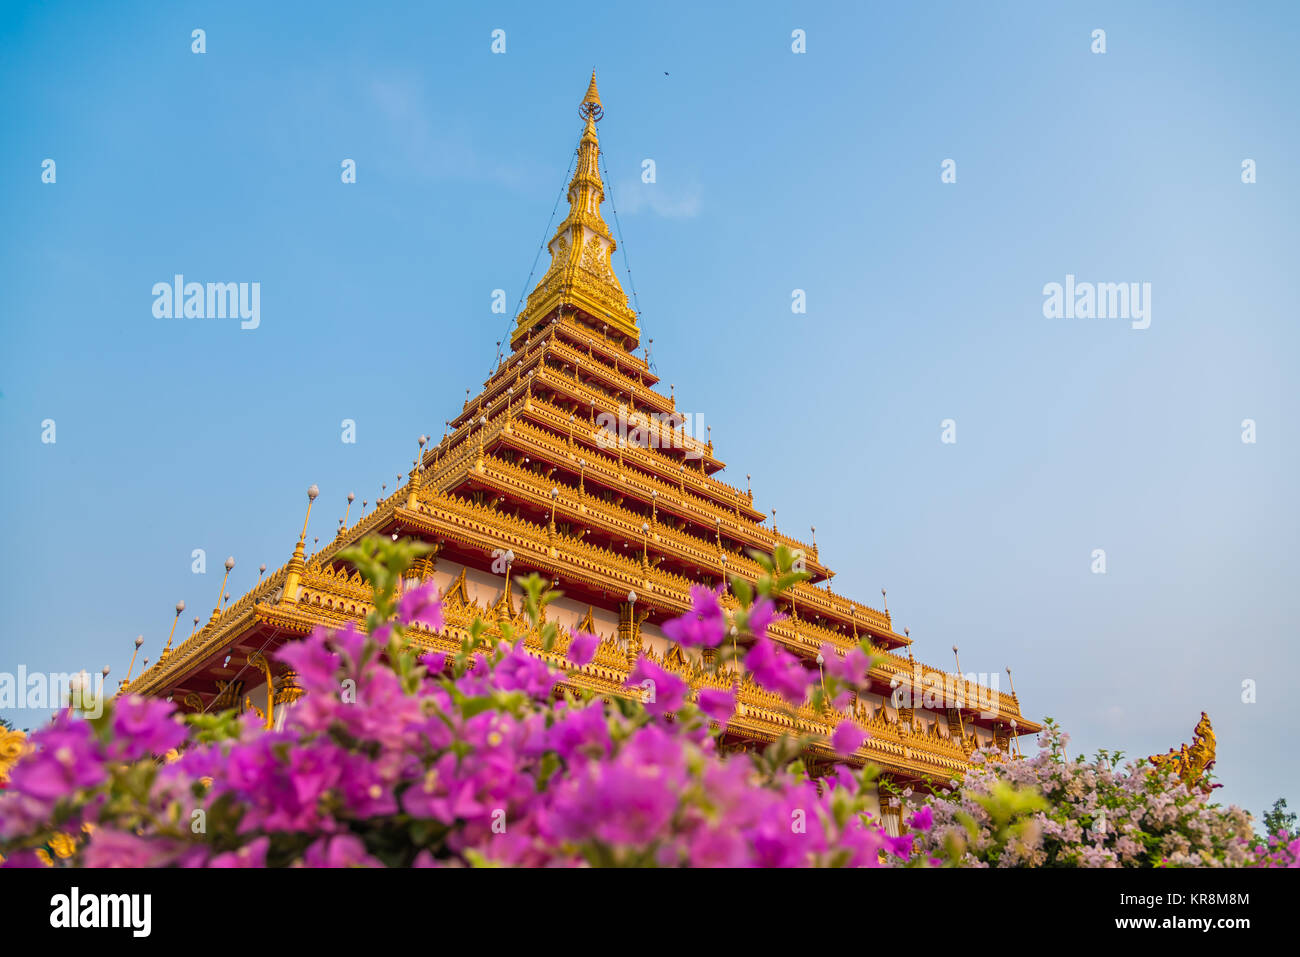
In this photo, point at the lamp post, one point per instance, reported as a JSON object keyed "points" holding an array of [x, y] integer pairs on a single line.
{"points": [[509, 557], [312, 492], [632, 642], [138, 642], [230, 563], [180, 607]]}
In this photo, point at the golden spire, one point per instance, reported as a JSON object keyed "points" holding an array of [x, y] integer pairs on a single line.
{"points": [[297, 563], [581, 278], [591, 102]]}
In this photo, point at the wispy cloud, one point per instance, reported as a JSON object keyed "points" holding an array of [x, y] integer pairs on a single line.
{"points": [[659, 199]]}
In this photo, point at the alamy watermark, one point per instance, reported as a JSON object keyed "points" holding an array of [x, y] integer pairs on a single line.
{"points": [[1102, 300], [653, 430], [52, 691], [936, 691], [179, 299]]}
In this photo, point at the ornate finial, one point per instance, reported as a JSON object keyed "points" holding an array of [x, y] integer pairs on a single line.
{"points": [[591, 108], [180, 607], [138, 642], [1192, 764]]}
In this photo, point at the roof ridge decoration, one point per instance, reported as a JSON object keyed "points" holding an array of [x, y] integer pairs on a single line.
{"points": [[581, 280]]}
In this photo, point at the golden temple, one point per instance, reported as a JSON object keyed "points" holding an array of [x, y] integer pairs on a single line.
{"points": [[531, 477]]}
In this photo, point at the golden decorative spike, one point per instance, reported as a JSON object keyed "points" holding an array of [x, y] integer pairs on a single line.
{"points": [[591, 102]]}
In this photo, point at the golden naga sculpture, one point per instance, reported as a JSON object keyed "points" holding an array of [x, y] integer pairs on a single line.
{"points": [[1191, 763]]}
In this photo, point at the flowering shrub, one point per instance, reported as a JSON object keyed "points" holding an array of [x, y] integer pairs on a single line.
{"points": [[472, 758], [1054, 811], [1280, 849], [482, 757]]}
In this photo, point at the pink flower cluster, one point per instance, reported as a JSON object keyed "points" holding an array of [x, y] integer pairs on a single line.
{"points": [[469, 759], [481, 756]]}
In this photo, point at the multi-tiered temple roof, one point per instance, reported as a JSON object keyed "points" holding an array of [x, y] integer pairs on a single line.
{"points": [[571, 463]]}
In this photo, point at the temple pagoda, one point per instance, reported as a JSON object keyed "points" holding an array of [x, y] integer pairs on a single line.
{"points": [[572, 463]]}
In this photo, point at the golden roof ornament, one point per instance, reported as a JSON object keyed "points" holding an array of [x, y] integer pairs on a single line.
{"points": [[590, 107], [1191, 764]]}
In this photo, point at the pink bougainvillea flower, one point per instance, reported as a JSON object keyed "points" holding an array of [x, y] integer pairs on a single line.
{"points": [[422, 605], [66, 757], [582, 647], [661, 690], [252, 854], [109, 848], [580, 730], [719, 704], [26, 858], [342, 850], [851, 669], [762, 614], [922, 819], [778, 671], [717, 847], [900, 847], [848, 737], [143, 727], [520, 671], [704, 626]]}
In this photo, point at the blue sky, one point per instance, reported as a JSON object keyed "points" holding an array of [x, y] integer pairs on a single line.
{"points": [[775, 172]]}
